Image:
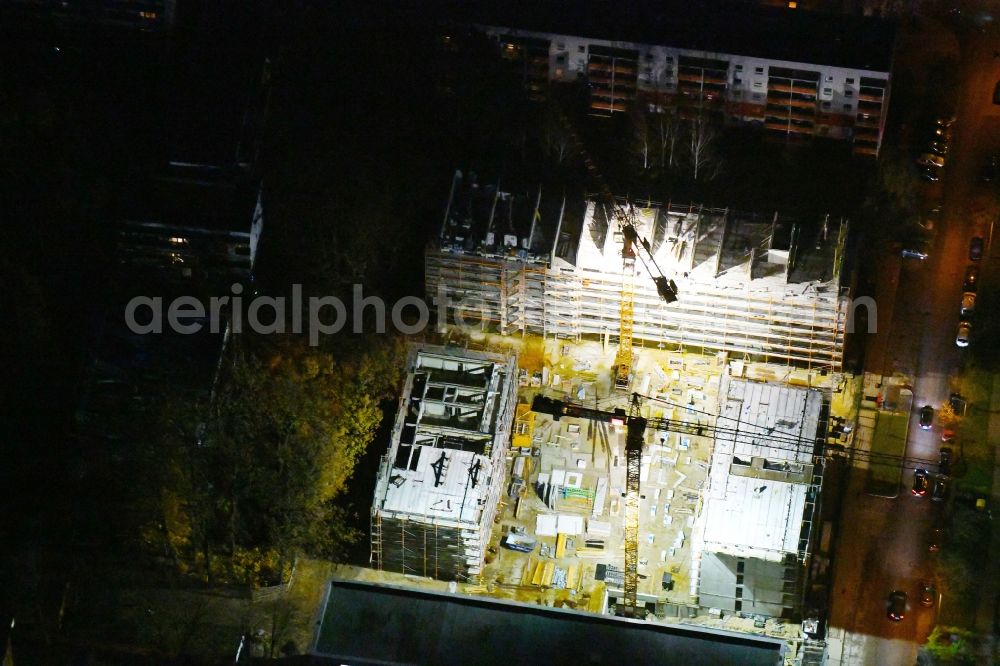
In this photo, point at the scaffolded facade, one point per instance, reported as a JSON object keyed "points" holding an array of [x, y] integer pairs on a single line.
{"points": [[440, 482], [761, 286]]}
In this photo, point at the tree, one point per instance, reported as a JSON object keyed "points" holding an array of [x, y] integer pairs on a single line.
{"points": [[667, 130], [257, 471], [702, 151], [950, 645], [642, 136], [557, 138]]}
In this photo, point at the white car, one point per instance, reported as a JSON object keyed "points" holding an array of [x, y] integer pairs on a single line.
{"points": [[962, 339]]}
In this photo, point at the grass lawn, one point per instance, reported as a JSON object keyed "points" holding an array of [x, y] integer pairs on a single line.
{"points": [[889, 439], [974, 469]]}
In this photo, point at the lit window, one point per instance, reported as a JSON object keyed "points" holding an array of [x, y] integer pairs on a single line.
{"points": [[177, 240], [792, 4]]}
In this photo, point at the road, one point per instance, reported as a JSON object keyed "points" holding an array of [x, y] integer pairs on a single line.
{"points": [[883, 542]]}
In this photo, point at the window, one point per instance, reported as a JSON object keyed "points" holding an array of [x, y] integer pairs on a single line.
{"points": [[739, 68], [670, 60], [649, 56], [757, 97], [847, 107], [581, 49], [827, 91], [826, 105], [561, 59], [758, 70], [740, 564], [848, 93], [737, 81], [738, 605], [561, 46], [829, 79], [757, 85], [850, 82]]}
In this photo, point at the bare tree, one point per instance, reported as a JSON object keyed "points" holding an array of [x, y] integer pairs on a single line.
{"points": [[642, 136], [702, 151], [667, 130], [557, 138]]}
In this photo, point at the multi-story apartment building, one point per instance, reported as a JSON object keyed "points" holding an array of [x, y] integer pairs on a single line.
{"points": [[793, 73]]}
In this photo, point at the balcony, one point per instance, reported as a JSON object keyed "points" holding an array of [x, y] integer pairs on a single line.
{"points": [[789, 88], [785, 100]]}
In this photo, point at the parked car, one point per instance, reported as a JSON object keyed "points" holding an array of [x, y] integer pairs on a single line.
{"points": [[930, 173], [944, 461], [934, 541], [921, 479], [897, 605], [940, 490], [964, 331], [926, 417], [928, 595], [976, 249], [968, 304], [971, 277], [930, 160], [931, 218], [909, 253], [944, 121], [939, 147]]}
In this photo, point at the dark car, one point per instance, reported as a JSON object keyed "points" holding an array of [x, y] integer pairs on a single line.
{"points": [[928, 595], [976, 249], [897, 605], [934, 541], [921, 479], [926, 417], [929, 173], [971, 278], [944, 461], [940, 490]]}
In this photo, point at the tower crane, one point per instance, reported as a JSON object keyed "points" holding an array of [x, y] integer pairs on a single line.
{"points": [[635, 430]]}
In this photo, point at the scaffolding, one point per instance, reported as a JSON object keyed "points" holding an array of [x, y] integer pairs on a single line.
{"points": [[439, 485], [751, 285]]}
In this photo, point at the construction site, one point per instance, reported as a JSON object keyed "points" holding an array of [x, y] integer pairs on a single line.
{"points": [[628, 413], [757, 286], [729, 472]]}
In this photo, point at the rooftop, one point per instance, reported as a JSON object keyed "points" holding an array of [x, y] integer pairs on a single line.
{"points": [[688, 241], [438, 468], [736, 28], [365, 623], [762, 468]]}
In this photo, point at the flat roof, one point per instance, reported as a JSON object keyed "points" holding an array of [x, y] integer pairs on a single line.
{"points": [[735, 28], [761, 469], [439, 466], [371, 623]]}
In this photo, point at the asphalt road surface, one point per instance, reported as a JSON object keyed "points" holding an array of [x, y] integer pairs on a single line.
{"points": [[884, 541]]}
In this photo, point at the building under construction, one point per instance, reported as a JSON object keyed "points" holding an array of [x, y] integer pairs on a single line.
{"points": [[439, 484], [763, 496], [762, 286]]}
